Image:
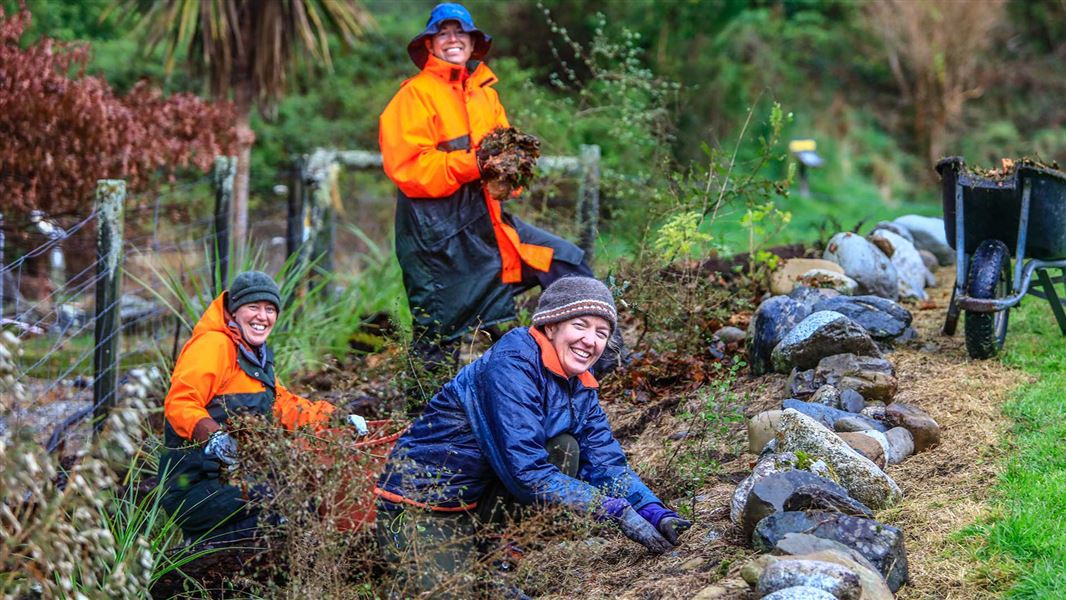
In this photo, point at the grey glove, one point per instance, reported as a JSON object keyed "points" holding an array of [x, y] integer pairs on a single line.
{"points": [[222, 447], [636, 528], [673, 527]]}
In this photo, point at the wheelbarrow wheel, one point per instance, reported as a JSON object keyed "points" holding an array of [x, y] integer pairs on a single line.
{"points": [[989, 279]]}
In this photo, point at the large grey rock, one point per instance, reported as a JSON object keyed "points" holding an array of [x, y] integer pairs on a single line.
{"points": [[823, 333], [800, 592], [796, 490], [857, 423], [851, 401], [773, 319], [881, 318], [923, 428], [865, 263], [826, 395], [900, 445], [931, 263], [873, 585], [873, 377], [909, 264], [798, 544], [929, 234], [859, 475], [809, 296], [828, 416], [881, 544], [768, 465], [839, 581]]}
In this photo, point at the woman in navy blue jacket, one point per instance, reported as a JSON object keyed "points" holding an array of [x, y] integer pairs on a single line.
{"points": [[521, 425]]}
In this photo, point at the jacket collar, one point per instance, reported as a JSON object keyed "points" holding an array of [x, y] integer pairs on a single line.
{"points": [[217, 318], [452, 73], [550, 358]]}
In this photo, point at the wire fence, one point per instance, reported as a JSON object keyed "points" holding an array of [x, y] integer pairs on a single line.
{"points": [[93, 312]]}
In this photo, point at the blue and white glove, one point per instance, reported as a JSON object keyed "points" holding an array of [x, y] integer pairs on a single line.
{"points": [[359, 423], [222, 447]]}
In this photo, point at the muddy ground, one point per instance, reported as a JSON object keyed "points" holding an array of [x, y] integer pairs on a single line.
{"points": [[946, 488]]}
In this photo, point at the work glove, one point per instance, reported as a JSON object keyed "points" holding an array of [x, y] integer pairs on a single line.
{"points": [[668, 522], [222, 447], [634, 526], [359, 423]]}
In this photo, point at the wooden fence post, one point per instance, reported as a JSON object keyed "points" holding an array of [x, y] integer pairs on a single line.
{"points": [[588, 203], [222, 179], [110, 198], [320, 180]]}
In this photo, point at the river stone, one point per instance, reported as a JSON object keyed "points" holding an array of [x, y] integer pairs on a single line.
{"points": [[809, 296], [768, 465], [773, 319], [796, 490], [851, 401], [828, 416], [881, 318], [873, 585], [866, 446], [900, 445], [929, 234], [761, 429], [823, 333], [798, 544], [856, 423], [930, 261], [826, 395], [830, 280], [923, 428], [865, 263], [864, 480], [873, 377], [783, 280], [730, 334], [830, 577], [800, 592], [881, 544], [754, 568], [896, 229], [909, 265]]}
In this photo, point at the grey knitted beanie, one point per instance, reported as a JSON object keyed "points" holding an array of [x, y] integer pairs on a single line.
{"points": [[571, 297], [252, 286]]}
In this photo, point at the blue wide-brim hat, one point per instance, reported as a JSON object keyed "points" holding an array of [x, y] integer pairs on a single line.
{"points": [[448, 11]]}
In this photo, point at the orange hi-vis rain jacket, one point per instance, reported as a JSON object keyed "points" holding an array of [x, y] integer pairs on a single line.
{"points": [[218, 375], [453, 240]]}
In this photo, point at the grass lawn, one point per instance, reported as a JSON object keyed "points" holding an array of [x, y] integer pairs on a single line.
{"points": [[1028, 535]]}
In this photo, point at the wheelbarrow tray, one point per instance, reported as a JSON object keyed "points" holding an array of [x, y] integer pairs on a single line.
{"points": [[992, 208]]}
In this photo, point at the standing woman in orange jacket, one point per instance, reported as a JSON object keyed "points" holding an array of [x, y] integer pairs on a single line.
{"points": [[463, 258], [226, 369]]}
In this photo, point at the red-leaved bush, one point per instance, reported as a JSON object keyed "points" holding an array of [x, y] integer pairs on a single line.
{"points": [[61, 130]]}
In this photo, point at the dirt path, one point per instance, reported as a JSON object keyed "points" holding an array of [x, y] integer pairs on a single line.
{"points": [[945, 489]]}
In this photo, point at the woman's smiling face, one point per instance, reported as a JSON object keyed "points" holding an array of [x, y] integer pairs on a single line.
{"points": [[579, 342], [451, 43], [256, 320]]}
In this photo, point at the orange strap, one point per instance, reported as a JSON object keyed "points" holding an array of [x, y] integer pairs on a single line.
{"points": [[398, 499], [512, 251]]}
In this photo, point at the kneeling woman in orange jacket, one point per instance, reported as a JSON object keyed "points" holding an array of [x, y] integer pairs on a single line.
{"points": [[225, 369]]}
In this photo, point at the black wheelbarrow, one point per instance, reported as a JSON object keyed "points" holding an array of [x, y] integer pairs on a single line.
{"points": [[989, 220]]}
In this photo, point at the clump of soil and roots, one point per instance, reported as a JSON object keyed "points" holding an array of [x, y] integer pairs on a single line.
{"points": [[508, 159]]}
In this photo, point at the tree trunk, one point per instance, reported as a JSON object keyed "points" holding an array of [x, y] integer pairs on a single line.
{"points": [[245, 140]]}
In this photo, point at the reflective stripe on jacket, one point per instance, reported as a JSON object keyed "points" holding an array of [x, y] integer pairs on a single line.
{"points": [[216, 376], [492, 421], [446, 224]]}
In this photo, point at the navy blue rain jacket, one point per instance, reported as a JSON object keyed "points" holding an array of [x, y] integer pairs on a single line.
{"points": [[492, 421]]}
